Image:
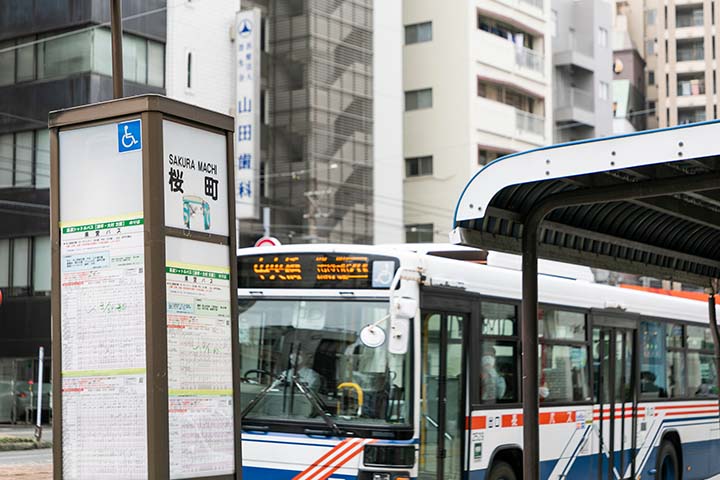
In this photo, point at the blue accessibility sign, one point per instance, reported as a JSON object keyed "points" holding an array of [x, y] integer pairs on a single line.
{"points": [[129, 137]]}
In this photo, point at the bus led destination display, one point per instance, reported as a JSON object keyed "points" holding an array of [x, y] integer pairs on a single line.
{"points": [[316, 270]]}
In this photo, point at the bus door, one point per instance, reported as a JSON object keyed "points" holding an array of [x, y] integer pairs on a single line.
{"points": [[614, 347], [442, 414]]}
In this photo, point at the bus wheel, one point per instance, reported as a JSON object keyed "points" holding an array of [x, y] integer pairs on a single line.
{"points": [[667, 463], [502, 471]]}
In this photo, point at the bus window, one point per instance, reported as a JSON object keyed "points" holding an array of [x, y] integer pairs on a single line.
{"points": [[676, 373], [563, 356], [498, 366], [498, 371], [563, 373], [702, 380], [499, 320], [561, 325], [702, 375], [653, 381], [699, 338]]}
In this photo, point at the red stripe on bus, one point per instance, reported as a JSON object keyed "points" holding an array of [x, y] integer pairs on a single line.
{"points": [[476, 423]]}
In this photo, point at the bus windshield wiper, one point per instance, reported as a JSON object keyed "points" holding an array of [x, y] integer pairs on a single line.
{"points": [[317, 403], [307, 393]]}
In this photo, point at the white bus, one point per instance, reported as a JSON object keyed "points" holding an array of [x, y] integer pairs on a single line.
{"points": [[403, 362]]}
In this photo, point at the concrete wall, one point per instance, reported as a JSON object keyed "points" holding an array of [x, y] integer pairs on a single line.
{"points": [[388, 163], [204, 28], [443, 131]]}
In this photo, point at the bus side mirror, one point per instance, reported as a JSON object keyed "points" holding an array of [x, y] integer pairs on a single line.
{"points": [[403, 307]]}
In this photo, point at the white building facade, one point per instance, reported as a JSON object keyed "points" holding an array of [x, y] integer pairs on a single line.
{"points": [[477, 81]]}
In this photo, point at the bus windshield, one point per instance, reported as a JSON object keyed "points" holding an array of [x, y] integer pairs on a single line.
{"points": [[321, 361]]}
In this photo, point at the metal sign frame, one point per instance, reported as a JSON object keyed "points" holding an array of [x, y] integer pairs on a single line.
{"points": [[152, 110]]}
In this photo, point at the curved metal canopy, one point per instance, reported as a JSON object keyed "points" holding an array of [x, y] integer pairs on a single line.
{"points": [[645, 203]]}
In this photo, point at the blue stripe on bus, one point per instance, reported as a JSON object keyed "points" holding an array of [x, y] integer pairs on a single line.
{"points": [[258, 473]]}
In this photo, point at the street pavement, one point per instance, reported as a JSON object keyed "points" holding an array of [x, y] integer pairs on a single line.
{"points": [[26, 464]]}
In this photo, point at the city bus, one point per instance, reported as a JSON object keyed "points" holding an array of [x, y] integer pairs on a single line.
{"points": [[404, 362]]}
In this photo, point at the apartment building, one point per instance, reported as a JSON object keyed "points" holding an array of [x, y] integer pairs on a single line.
{"points": [[681, 54], [477, 83], [582, 82]]}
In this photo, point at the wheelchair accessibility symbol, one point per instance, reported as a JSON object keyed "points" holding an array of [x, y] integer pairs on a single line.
{"points": [[129, 138]]}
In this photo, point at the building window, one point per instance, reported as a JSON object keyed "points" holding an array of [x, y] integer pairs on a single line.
{"points": [[418, 166], [487, 156], [650, 16], [188, 77], [421, 233], [604, 93], [651, 77], [33, 58], [25, 265], [691, 115], [417, 99], [506, 31], [690, 50], [25, 159], [509, 96], [650, 47], [417, 33], [602, 37]]}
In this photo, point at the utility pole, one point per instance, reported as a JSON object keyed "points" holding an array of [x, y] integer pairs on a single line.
{"points": [[117, 55]]}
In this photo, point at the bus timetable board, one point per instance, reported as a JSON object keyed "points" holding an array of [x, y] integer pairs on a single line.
{"points": [[316, 270]]}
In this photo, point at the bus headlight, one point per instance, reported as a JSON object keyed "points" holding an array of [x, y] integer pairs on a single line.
{"points": [[396, 456]]}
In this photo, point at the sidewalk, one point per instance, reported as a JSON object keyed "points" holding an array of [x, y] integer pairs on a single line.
{"points": [[33, 464]]}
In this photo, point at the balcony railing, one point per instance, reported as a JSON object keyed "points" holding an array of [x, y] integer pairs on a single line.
{"points": [[535, 3], [691, 87], [530, 59], [689, 54], [574, 97], [528, 122], [692, 19]]}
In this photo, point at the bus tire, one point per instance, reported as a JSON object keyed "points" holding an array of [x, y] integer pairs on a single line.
{"points": [[668, 465], [502, 471]]}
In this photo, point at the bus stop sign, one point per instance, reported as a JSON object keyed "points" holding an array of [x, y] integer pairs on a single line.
{"points": [[268, 242]]}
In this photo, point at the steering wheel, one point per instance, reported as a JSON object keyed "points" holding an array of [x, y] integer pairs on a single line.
{"points": [[258, 373]]}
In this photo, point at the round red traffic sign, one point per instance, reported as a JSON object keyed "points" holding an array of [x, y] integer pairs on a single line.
{"points": [[267, 242]]}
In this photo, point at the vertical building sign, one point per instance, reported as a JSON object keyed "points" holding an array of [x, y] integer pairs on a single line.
{"points": [[247, 116]]}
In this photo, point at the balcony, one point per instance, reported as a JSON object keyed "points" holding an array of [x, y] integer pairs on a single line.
{"points": [[535, 3], [690, 51], [501, 53], [689, 18], [508, 121], [575, 105], [691, 87], [576, 53]]}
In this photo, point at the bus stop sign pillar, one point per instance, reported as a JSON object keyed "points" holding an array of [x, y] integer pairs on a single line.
{"points": [[144, 283]]}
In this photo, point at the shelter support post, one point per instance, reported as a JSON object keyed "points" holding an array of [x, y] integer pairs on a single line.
{"points": [[531, 433], [716, 337]]}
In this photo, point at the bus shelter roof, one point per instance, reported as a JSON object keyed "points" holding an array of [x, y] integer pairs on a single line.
{"points": [[646, 203]]}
